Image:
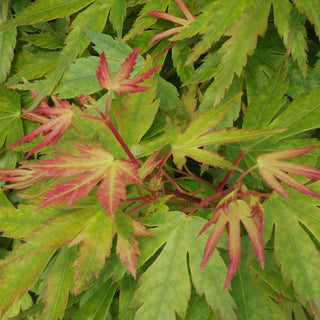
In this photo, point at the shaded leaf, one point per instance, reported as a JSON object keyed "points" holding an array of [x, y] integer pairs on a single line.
{"points": [[249, 27], [264, 106], [96, 303], [117, 15], [290, 24], [312, 9]]}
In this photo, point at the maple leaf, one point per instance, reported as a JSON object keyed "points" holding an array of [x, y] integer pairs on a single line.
{"points": [[121, 82], [229, 213], [55, 121], [271, 169], [127, 245], [94, 165], [163, 15], [20, 178]]}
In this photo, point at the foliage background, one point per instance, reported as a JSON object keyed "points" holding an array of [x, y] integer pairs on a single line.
{"points": [[63, 262]]}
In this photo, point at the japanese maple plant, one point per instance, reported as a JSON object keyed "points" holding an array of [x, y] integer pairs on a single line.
{"points": [[159, 159]]}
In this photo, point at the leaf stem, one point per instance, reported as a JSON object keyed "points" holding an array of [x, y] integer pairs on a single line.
{"points": [[223, 183]]}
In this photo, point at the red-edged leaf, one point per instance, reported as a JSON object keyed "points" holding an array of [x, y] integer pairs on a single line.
{"points": [[271, 169], [228, 213], [93, 165], [20, 178], [128, 253], [55, 121], [166, 16], [127, 245], [121, 82]]}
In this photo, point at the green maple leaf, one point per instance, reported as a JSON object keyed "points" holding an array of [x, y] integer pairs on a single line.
{"points": [[199, 133], [295, 220], [165, 288], [243, 41]]}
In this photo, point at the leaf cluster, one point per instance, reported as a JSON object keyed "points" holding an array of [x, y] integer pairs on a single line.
{"points": [[159, 159]]}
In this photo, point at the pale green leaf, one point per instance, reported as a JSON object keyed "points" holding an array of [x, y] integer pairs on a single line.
{"points": [[167, 278], [253, 303], [44, 10], [10, 122], [223, 136], [312, 9], [59, 282], [294, 249], [136, 115], [264, 106], [95, 245], [168, 95], [209, 281], [80, 79], [21, 221], [243, 41], [14, 282], [204, 122], [117, 15]]}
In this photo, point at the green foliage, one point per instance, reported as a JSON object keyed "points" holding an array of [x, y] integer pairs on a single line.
{"points": [[179, 181]]}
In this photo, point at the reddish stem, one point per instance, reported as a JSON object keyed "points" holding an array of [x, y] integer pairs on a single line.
{"points": [[182, 195], [138, 198], [206, 201], [139, 206], [114, 131], [163, 163], [172, 181], [223, 183], [164, 51]]}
